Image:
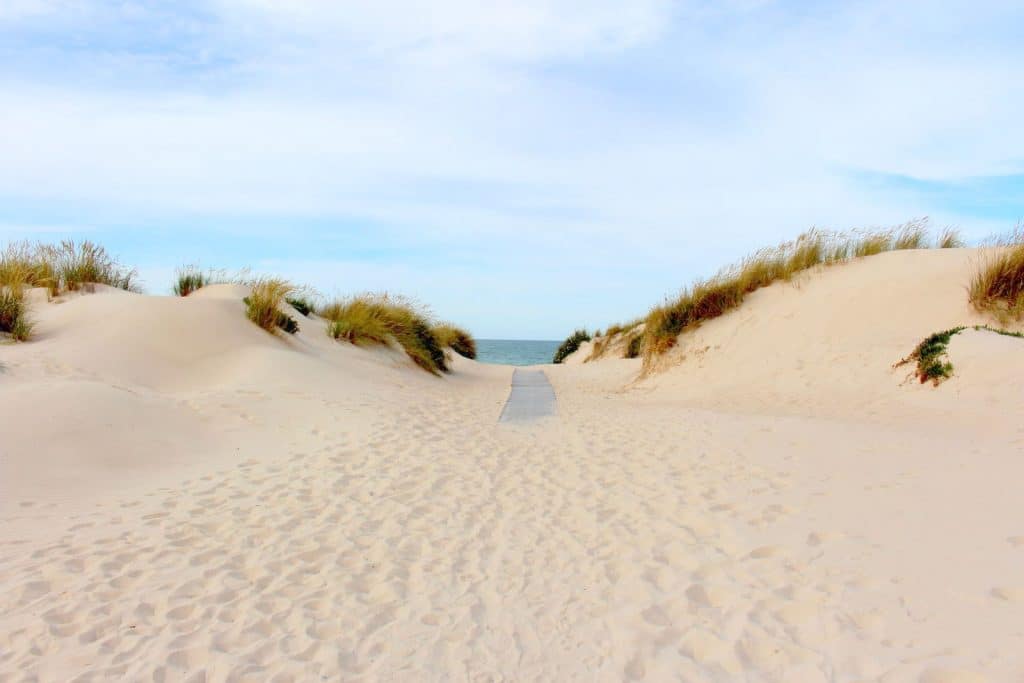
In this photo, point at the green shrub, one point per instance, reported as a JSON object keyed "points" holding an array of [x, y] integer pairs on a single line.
{"points": [[301, 304], [571, 345], [458, 340], [189, 279]]}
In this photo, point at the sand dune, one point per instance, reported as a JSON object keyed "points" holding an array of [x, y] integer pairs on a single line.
{"points": [[186, 497]]}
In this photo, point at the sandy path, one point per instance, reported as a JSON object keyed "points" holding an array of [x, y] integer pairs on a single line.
{"points": [[440, 546]]}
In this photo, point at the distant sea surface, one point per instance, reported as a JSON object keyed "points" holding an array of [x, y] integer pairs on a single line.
{"points": [[515, 351]]}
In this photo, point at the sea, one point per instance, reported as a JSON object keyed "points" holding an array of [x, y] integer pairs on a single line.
{"points": [[515, 351]]}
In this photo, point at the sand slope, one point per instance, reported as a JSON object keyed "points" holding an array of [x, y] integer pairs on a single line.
{"points": [[187, 498]]}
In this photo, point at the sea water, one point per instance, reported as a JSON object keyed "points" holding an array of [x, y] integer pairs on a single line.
{"points": [[515, 351]]}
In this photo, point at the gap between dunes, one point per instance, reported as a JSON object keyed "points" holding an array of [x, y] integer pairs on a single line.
{"points": [[185, 497]]}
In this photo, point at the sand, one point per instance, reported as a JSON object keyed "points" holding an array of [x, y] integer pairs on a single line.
{"points": [[187, 498]]}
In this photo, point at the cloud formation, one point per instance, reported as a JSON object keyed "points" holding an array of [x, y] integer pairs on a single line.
{"points": [[599, 153]]}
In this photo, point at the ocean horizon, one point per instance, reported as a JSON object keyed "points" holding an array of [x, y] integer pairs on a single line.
{"points": [[516, 351]]}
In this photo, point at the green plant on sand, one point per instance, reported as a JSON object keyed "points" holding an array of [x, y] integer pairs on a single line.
{"points": [[571, 345]]}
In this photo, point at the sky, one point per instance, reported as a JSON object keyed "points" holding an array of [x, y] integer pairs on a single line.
{"points": [[524, 167]]}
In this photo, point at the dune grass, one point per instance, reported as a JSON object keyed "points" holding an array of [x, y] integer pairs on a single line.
{"points": [[950, 238], [997, 285], [571, 345], [13, 313], [713, 297], [379, 318], [263, 305], [302, 304], [80, 264], [457, 339], [64, 267], [603, 342], [634, 345]]}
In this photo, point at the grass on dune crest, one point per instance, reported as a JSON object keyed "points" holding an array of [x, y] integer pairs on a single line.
{"points": [[263, 305], [713, 297], [379, 318], [189, 278], [571, 345], [603, 342], [457, 339], [67, 266], [998, 283]]}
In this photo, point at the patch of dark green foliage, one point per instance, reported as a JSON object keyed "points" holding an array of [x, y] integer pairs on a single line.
{"points": [[283, 321], [929, 353], [300, 304], [570, 345]]}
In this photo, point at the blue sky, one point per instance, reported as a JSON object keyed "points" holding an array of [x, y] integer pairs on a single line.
{"points": [[522, 167]]}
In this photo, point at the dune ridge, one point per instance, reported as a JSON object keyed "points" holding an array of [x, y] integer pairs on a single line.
{"points": [[186, 497]]}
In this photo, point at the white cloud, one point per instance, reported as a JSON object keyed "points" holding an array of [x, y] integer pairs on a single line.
{"points": [[640, 133]]}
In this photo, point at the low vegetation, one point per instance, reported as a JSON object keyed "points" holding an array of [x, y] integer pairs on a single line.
{"points": [[263, 305], [929, 356], [13, 315], [379, 319], [997, 286], [457, 339], [65, 267], [713, 297], [603, 342], [302, 304], [571, 345], [949, 238]]}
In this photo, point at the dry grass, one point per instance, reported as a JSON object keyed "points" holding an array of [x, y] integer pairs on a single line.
{"points": [[711, 298], [998, 283], [455, 338], [13, 313], [950, 238], [263, 305], [603, 342], [65, 267], [79, 264], [380, 318]]}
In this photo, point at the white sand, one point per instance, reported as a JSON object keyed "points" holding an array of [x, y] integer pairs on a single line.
{"points": [[185, 497]]}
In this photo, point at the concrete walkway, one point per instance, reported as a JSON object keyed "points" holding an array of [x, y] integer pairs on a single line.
{"points": [[532, 397]]}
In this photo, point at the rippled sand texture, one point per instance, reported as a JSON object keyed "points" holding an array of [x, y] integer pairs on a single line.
{"points": [[344, 516]]}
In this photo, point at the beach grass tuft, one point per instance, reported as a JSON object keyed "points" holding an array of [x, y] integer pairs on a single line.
{"points": [[571, 345], [950, 238], [997, 285], [379, 318], [457, 339], [189, 278], [263, 305]]}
